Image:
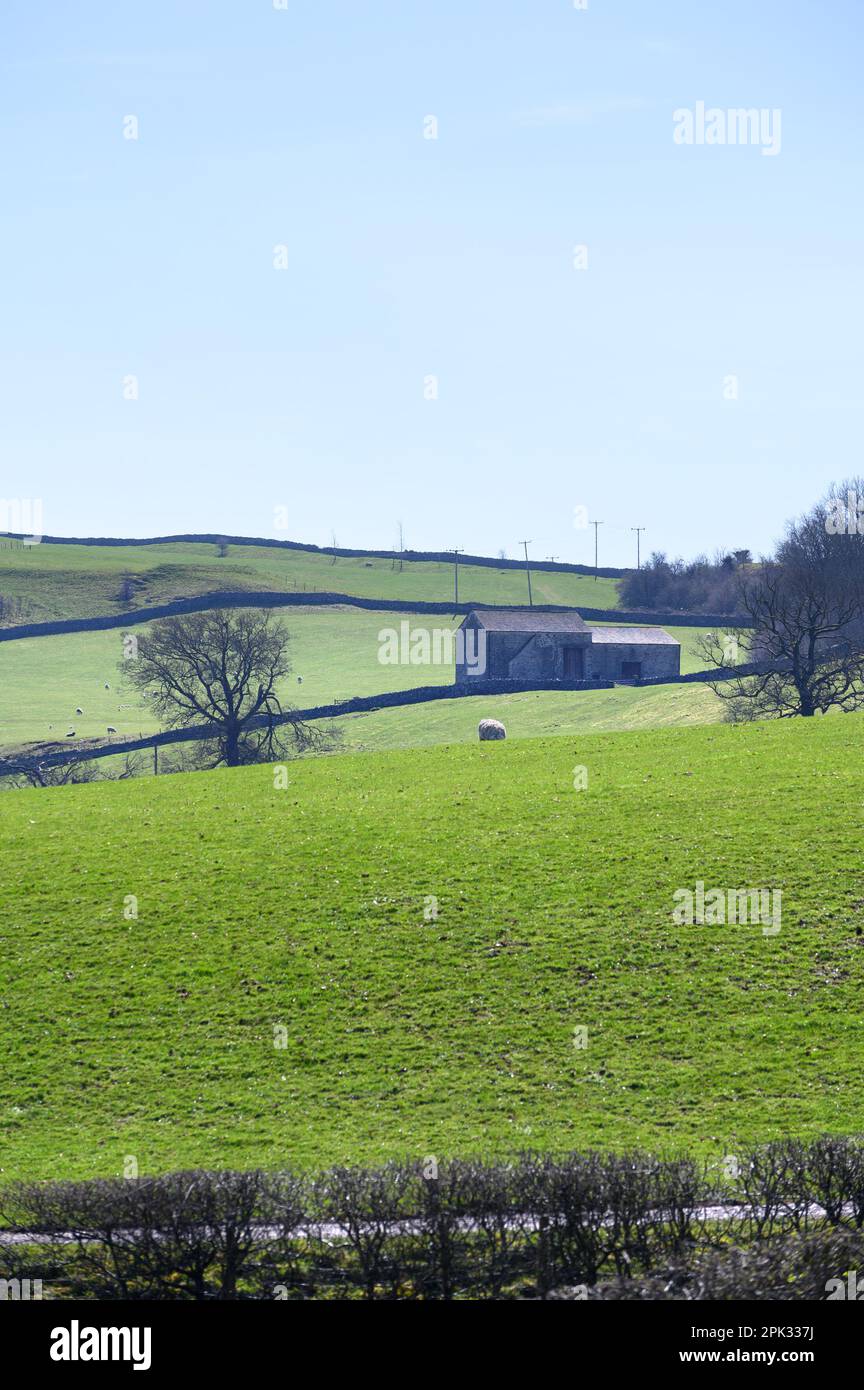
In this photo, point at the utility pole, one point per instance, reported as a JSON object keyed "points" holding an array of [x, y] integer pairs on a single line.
{"points": [[528, 572], [456, 554], [638, 530], [595, 524], [553, 558]]}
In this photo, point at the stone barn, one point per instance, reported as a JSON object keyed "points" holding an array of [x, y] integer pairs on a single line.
{"points": [[630, 653], [534, 646]]}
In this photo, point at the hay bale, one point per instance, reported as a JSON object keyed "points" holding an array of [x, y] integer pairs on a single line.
{"points": [[491, 728]]}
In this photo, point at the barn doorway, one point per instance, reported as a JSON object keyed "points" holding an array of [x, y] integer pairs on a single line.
{"points": [[573, 666], [631, 670]]}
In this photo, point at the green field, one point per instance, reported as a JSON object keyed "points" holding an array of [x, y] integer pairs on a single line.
{"points": [[334, 651], [531, 714], [303, 909], [45, 582], [43, 680]]}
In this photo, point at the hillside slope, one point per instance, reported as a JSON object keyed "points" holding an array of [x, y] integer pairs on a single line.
{"points": [[335, 651], [296, 917], [44, 582], [530, 714]]}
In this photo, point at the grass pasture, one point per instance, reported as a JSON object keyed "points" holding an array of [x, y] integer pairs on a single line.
{"points": [[78, 581], [530, 714], [296, 917], [43, 680]]}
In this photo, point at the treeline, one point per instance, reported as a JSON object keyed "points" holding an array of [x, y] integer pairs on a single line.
{"points": [[700, 585], [780, 1221]]}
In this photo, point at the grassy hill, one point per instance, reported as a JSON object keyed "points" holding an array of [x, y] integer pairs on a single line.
{"points": [[335, 650], [44, 679], [75, 581], [531, 714], [303, 909]]}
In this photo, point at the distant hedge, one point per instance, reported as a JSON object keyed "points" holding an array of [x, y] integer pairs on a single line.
{"points": [[777, 1222]]}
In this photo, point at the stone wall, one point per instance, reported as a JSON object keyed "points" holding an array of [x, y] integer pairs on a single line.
{"points": [[267, 543], [527, 656], [542, 657], [241, 598], [658, 660]]}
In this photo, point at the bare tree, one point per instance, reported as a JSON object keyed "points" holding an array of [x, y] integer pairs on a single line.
{"points": [[829, 542], [223, 668], [24, 773], [700, 585], [806, 608], [132, 766]]}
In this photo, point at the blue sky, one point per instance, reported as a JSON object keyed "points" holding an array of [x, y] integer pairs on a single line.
{"points": [[409, 258]]}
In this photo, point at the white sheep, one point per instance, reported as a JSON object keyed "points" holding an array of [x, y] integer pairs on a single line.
{"points": [[491, 729]]}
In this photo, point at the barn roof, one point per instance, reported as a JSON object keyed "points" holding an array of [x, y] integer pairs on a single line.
{"points": [[498, 620], [634, 636]]}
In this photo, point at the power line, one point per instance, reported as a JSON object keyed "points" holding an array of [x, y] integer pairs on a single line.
{"points": [[456, 553], [528, 572], [596, 524], [638, 530]]}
